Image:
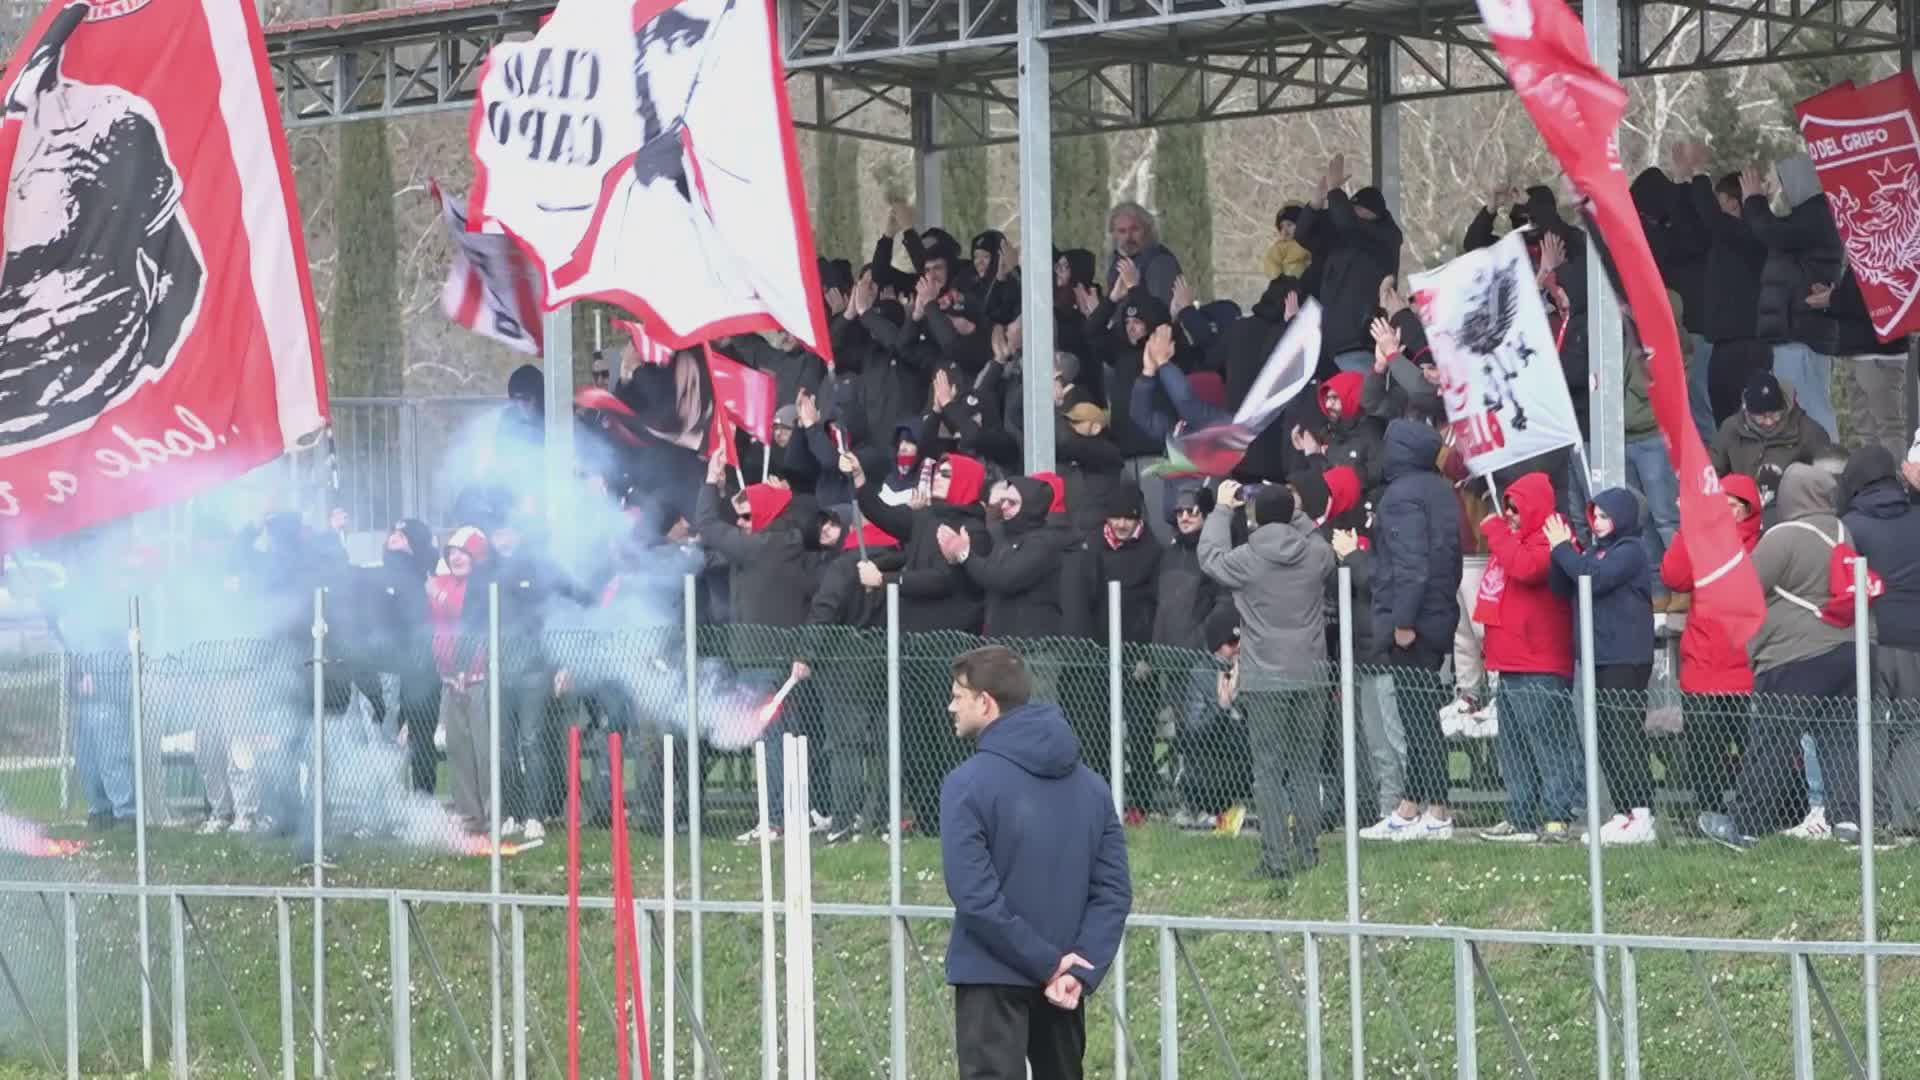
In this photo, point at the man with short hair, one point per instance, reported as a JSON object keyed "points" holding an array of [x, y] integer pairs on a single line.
{"points": [[1036, 865]]}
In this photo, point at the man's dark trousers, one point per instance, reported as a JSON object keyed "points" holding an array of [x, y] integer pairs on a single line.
{"points": [[1001, 1029]]}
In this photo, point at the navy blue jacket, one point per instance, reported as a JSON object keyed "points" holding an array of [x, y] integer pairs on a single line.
{"points": [[1415, 564], [1885, 527], [1034, 857], [1622, 572]]}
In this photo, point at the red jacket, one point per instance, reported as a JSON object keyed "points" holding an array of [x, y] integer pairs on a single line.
{"points": [[1529, 628], [1709, 663]]}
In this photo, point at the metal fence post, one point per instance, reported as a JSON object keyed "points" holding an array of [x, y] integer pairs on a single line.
{"points": [[1869, 880], [1466, 1031], [283, 941], [177, 946], [1356, 985], [1310, 959], [1116, 768], [1630, 1014], [1802, 1018], [63, 672], [667, 1034], [317, 789], [517, 921], [400, 972], [136, 708], [495, 1051], [1169, 1005], [1596, 883], [896, 930], [70, 965], [769, 979], [695, 917]]}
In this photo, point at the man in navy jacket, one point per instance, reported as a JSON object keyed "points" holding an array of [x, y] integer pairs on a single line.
{"points": [[1036, 865]]}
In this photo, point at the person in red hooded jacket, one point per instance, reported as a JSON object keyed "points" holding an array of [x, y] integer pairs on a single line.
{"points": [[1716, 676], [462, 664], [1346, 435], [1529, 644]]}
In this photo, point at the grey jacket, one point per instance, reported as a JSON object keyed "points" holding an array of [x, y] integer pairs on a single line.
{"points": [[1279, 585], [1792, 559]]}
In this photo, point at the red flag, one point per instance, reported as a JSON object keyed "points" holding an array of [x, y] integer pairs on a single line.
{"points": [[1577, 108], [657, 353], [157, 326], [748, 395], [720, 437], [1865, 146]]}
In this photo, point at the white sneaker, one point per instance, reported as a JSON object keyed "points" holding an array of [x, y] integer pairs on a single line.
{"points": [[752, 836], [1484, 722], [1433, 828], [533, 830], [1453, 717], [242, 823], [1814, 827], [1392, 827], [1629, 830], [820, 821], [214, 827], [509, 827]]}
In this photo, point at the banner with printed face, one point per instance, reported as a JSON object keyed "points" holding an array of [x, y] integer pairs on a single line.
{"points": [[643, 153], [1865, 146], [1500, 376], [492, 288], [157, 326]]}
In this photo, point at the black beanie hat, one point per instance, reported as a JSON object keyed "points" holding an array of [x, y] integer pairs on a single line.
{"points": [[1763, 394], [1372, 199], [1274, 505], [1222, 627], [1310, 487]]}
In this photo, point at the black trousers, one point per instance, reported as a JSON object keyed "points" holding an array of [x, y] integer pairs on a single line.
{"points": [[1625, 757], [1814, 696], [1714, 739], [1000, 1030], [1418, 696]]}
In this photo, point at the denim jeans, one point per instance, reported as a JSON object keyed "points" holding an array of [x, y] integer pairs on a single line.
{"points": [[1699, 399], [1360, 360], [1541, 756], [1810, 375], [1651, 473], [103, 758]]}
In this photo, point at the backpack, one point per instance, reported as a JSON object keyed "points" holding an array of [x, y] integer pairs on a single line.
{"points": [[1838, 608]]}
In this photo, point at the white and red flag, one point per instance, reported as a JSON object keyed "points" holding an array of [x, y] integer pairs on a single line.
{"points": [[643, 153], [492, 288], [157, 326], [1865, 145], [1577, 108]]}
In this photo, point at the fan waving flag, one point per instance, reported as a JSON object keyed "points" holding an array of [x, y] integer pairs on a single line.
{"points": [[748, 395], [643, 152], [1217, 449], [1577, 108], [157, 326], [492, 288], [1500, 375], [1865, 145]]}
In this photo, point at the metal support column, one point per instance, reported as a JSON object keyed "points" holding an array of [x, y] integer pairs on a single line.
{"points": [[1169, 1006], [690, 633], [1036, 235], [400, 976], [1466, 1031], [1606, 408], [928, 198], [1382, 74], [896, 927], [556, 363]]}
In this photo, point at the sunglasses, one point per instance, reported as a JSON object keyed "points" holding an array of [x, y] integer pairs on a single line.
{"points": [[1194, 510], [602, 376]]}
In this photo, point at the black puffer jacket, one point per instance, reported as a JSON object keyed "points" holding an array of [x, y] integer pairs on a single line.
{"points": [[1802, 248], [771, 572], [1359, 253], [934, 594], [1021, 575], [1414, 571], [1730, 307], [1184, 597], [1885, 527]]}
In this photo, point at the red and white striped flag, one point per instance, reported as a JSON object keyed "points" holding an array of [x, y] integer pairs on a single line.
{"points": [[493, 288]]}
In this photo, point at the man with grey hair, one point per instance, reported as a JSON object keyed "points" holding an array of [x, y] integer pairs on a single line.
{"points": [[1138, 255]]}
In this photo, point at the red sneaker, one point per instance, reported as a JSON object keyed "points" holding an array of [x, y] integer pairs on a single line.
{"points": [[1135, 817]]}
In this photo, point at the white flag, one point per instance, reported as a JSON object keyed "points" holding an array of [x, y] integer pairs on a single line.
{"points": [[493, 288], [643, 152], [1500, 374]]}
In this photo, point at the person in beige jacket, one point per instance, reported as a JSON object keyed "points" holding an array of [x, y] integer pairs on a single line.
{"points": [[1803, 674]]}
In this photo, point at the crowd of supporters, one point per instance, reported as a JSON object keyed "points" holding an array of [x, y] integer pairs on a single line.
{"points": [[901, 464]]}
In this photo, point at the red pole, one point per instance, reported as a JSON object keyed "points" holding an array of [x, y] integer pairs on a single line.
{"points": [[622, 909], [573, 903]]}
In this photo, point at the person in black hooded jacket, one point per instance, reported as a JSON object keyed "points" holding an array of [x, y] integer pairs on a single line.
{"points": [[1122, 550], [1362, 245], [1883, 523], [1730, 309], [996, 278], [769, 561], [1185, 598], [395, 596], [1021, 574], [1803, 250]]}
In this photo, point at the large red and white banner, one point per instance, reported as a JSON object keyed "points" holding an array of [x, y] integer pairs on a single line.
{"points": [[1577, 108], [643, 152], [1500, 375], [157, 327], [492, 288], [1865, 146]]}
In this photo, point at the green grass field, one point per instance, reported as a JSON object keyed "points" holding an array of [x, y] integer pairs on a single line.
{"points": [[1249, 982]]}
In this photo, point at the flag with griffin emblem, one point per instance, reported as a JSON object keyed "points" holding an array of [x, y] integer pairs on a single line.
{"points": [[1865, 146]]}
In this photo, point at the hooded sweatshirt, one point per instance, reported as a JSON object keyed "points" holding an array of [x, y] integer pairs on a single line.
{"points": [[935, 594], [1021, 574], [1278, 579], [1622, 572], [1034, 857], [1794, 558], [1802, 248], [447, 598], [1886, 529], [1710, 663], [1416, 559], [1353, 436], [1359, 253], [772, 574], [1529, 627]]}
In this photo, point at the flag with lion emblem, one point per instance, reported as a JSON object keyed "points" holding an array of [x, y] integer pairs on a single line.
{"points": [[1865, 146]]}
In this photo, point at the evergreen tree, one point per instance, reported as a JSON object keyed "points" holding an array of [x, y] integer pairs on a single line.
{"points": [[963, 181], [1734, 134], [836, 194], [365, 353], [1185, 205], [1080, 166]]}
